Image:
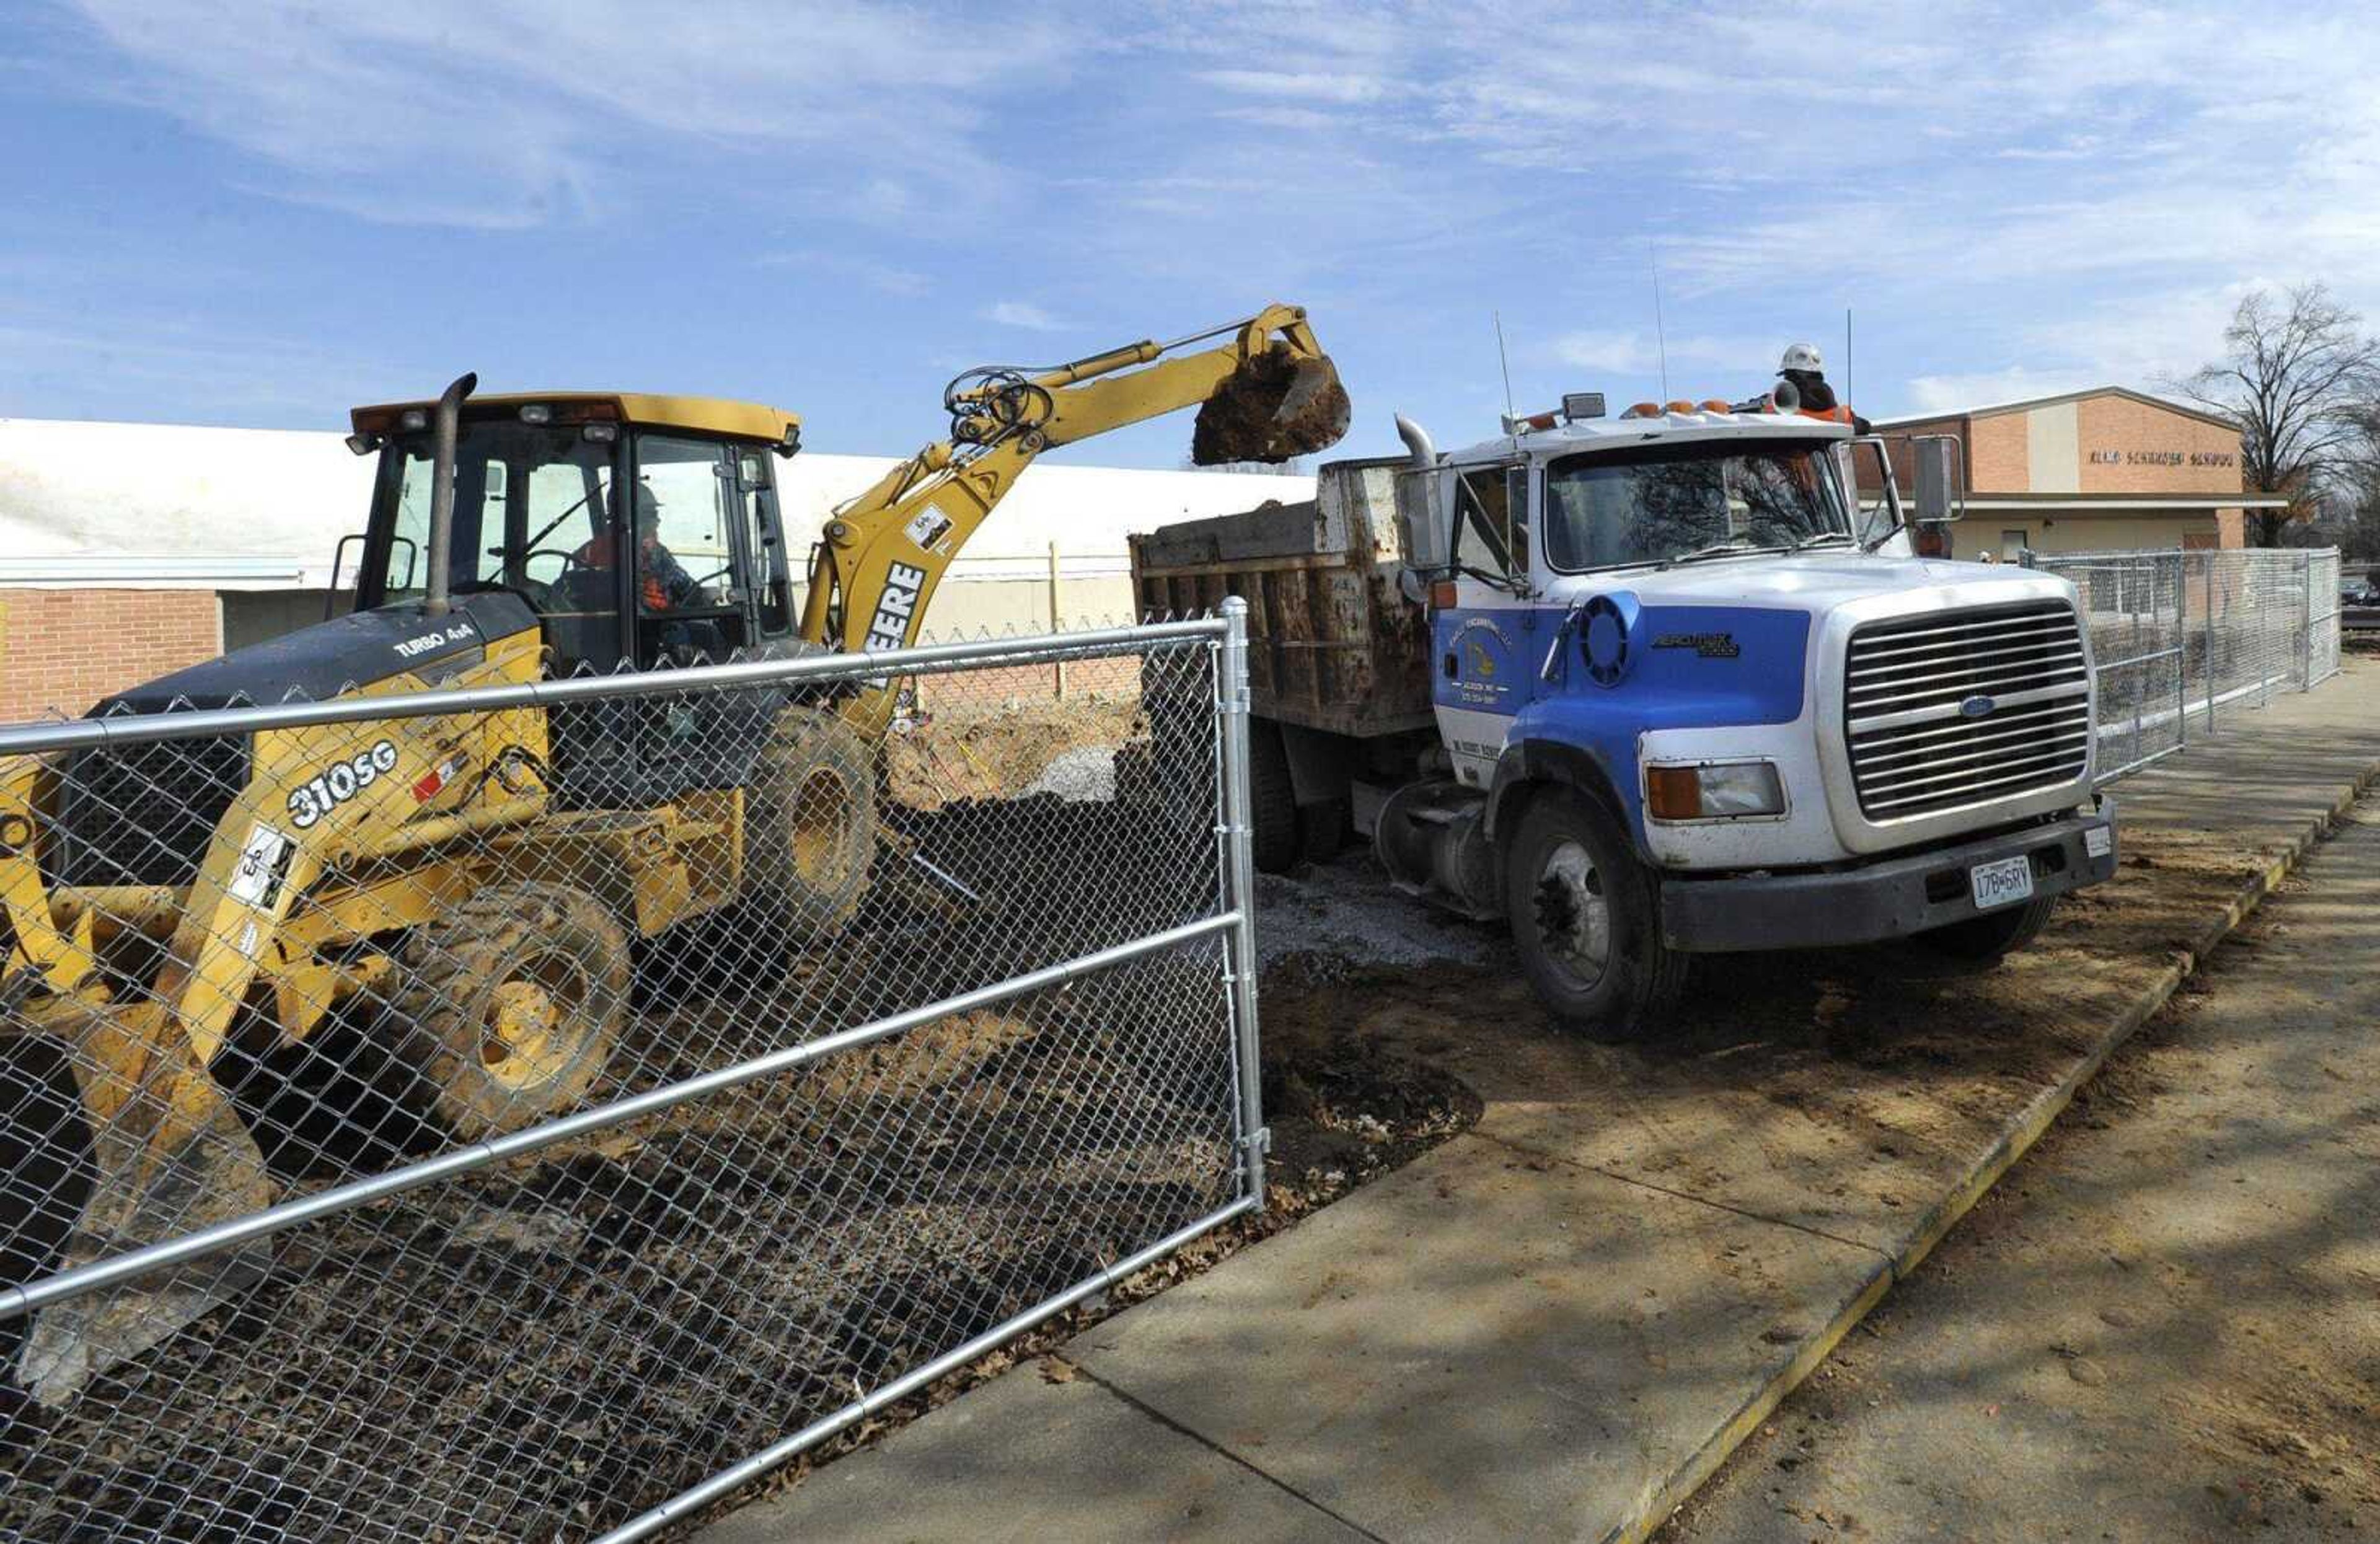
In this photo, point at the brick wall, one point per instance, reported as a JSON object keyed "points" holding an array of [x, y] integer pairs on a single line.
{"points": [[67, 648], [2000, 458], [2127, 430]]}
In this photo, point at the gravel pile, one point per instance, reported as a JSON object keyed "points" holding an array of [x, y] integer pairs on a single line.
{"points": [[1345, 908], [1083, 775]]}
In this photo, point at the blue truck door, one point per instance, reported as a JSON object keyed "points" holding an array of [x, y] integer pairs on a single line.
{"points": [[1485, 644]]}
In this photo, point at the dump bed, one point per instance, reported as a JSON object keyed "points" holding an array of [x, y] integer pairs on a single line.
{"points": [[1332, 644]]}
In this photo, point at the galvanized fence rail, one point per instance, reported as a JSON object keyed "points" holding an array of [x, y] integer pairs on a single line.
{"points": [[2184, 639], [532, 1111]]}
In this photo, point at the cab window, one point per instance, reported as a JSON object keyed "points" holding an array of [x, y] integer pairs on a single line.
{"points": [[771, 575], [682, 490], [1491, 528]]}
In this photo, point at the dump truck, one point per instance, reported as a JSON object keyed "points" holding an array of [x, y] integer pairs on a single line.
{"points": [[468, 890], [1658, 687]]}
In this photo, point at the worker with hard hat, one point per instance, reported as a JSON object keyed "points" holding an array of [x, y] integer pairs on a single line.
{"points": [[1806, 373]]}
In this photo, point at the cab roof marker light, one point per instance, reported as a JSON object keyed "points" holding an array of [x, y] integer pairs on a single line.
{"points": [[413, 420], [600, 434], [536, 413]]}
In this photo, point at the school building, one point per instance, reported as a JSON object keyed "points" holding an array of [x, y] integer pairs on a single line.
{"points": [[2094, 470]]}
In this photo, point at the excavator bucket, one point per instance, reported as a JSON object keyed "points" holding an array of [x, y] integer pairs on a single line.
{"points": [[1277, 405], [171, 1156]]}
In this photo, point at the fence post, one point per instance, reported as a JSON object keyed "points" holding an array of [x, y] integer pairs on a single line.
{"points": [[2214, 676], [2305, 561], [2181, 649], [1238, 835]]}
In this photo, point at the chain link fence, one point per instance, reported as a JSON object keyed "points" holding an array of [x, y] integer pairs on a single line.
{"points": [[2184, 639], [532, 1111]]}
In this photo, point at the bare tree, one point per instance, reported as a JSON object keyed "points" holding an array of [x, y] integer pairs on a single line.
{"points": [[2300, 375]]}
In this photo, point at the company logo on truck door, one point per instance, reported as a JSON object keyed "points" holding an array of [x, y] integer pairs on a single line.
{"points": [[890, 626]]}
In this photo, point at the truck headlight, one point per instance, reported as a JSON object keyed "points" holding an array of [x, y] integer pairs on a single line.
{"points": [[1715, 791]]}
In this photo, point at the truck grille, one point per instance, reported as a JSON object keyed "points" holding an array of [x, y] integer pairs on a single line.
{"points": [[144, 813], [1963, 708]]}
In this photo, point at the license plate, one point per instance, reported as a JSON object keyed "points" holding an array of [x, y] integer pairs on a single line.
{"points": [[2001, 882]]}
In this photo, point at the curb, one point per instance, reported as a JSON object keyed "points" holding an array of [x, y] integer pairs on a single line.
{"points": [[2024, 1128]]}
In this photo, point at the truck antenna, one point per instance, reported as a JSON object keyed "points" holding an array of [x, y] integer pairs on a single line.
{"points": [[1660, 338], [1502, 363], [1847, 355]]}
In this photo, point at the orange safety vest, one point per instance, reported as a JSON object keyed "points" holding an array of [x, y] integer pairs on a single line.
{"points": [[598, 553]]}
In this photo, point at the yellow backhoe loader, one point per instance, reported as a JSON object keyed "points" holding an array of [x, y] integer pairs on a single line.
{"points": [[473, 882]]}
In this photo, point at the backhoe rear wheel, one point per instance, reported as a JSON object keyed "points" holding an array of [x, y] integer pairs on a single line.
{"points": [[514, 1004], [810, 825]]}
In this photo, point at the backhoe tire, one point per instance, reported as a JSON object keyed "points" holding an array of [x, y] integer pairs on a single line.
{"points": [[810, 825], [1272, 800], [1584, 923], [512, 1005]]}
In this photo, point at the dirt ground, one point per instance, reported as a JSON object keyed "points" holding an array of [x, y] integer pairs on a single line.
{"points": [[591, 1329], [2164, 1323], [1386, 1027]]}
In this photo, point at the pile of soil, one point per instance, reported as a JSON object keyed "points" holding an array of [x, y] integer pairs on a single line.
{"points": [[969, 752]]}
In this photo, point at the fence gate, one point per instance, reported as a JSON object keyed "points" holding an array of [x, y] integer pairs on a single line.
{"points": [[530, 1112]]}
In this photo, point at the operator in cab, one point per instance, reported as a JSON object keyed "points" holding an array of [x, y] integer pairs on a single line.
{"points": [[662, 583], [1801, 369]]}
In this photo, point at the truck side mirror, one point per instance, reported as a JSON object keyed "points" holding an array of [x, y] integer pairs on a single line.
{"points": [[1424, 536], [1940, 497]]}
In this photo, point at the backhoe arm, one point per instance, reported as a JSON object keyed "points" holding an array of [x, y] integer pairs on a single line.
{"points": [[1267, 392]]}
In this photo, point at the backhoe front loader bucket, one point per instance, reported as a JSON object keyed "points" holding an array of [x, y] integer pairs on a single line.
{"points": [[1280, 404], [171, 1158]]}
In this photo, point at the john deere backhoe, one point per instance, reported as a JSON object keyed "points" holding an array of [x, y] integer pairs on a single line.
{"points": [[471, 884]]}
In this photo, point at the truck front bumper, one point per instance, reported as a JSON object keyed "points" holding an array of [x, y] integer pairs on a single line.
{"points": [[1889, 898]]}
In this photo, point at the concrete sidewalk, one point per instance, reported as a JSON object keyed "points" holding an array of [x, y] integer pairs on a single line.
{"points": [[1559, 1324]]}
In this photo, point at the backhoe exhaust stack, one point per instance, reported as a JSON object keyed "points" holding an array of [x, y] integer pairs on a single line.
{"points": [[445, 429]]}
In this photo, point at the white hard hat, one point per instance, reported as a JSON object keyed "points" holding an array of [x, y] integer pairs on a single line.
{"points": [[1802, 355]]}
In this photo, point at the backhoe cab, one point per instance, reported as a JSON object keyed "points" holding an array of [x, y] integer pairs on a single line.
{"points": [[691, 565]]}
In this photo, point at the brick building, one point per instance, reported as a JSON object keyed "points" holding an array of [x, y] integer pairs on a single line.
{"points": [[2093, 470]]}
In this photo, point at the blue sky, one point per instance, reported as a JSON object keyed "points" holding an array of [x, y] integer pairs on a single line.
{"points": [[258, 213]]}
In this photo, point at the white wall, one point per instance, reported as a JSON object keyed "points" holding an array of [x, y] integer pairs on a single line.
{"points": [[160, 504]]}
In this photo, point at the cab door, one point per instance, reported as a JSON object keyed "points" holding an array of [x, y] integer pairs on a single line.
{"points": [[1485, 641]]}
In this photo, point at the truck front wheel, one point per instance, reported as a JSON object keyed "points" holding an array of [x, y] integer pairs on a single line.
{"points": [[1981, 942], [1582, 913]]}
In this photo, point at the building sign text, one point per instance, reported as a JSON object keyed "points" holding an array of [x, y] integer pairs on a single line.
{"points": [[2163, 459]]}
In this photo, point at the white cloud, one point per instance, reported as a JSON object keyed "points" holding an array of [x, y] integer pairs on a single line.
{"points": [[1939, 393], [448, 112], [1299, 86], [1019, 313], [1615, 353]]}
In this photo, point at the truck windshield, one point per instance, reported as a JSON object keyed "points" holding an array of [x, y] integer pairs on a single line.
{"points": [[1674, 502]]}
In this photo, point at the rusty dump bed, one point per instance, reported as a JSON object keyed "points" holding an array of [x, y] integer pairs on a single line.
{"points": [[1332, 643]]}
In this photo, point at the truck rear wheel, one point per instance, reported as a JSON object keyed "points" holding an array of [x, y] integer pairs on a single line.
{"points": [[1582, 918], [513, 1004], [810, 825], [1272, 799], [1982, 941]]}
